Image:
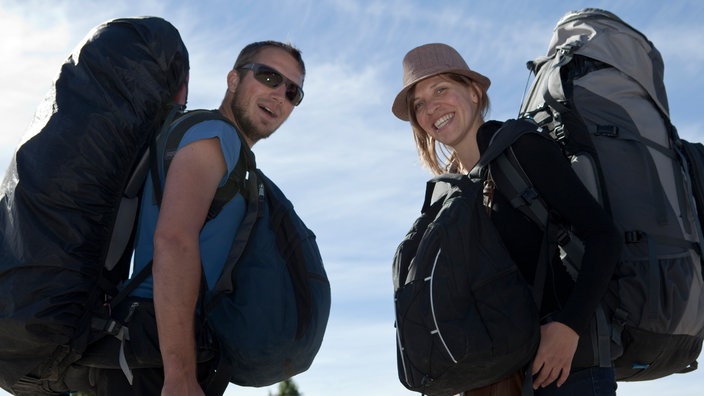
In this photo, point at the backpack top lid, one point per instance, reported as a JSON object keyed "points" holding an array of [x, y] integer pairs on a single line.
{"points": [[601, 35], [102, 110]]}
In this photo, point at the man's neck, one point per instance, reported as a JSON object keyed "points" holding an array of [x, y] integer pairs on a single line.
{"points": [[227, 112]]}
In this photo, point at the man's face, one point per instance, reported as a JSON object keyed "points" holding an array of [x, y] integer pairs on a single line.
{"points": [[258, 108]]}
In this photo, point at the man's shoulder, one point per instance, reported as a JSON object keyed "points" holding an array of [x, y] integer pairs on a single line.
{"points": [[199, 116], [207, 121]]}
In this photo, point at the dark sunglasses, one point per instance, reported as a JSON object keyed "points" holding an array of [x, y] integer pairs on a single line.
{"points": [[272, 79]]}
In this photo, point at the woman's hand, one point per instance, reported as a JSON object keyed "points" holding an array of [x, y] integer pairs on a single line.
{"points": [[558, 343]]}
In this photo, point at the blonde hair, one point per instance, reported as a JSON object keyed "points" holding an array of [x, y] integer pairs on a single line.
{"points": [[436, 156]]}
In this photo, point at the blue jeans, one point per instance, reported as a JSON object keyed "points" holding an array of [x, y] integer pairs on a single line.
{"points": [[592, 381]]}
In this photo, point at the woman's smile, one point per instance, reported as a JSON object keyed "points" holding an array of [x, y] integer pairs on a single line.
{"points": [[443, 121]]}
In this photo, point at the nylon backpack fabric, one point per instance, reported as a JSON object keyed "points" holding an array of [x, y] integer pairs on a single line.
{"points": [[694, 153], [62, 192], [465, 317], [600, 93], [269, 310]]}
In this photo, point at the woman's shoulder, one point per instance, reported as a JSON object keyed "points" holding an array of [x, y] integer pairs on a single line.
{"points": [[520, 134]]}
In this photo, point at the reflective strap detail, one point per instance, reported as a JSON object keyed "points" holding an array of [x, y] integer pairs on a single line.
{"points": [[124, 335], [432, 309]]}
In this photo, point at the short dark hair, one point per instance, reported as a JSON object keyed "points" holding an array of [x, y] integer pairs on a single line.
{"points": [[249, 52]]}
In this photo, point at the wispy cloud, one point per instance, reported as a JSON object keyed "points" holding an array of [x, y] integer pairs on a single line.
{"points": [[345, 161]]}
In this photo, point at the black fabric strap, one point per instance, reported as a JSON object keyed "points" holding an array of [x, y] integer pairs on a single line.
{"points": [[167, 144], [255, 200], [132, 284], [527, 389], [175, 112]]}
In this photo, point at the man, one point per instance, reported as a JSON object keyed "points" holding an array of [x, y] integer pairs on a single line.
{"points": [[262, 89]]}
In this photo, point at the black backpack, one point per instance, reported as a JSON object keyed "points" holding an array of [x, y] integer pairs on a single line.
{"points": [[599, 92], [465, 317], [67, 196]]}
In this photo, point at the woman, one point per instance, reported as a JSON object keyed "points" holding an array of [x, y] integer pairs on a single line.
{"points": [[446, 103]]}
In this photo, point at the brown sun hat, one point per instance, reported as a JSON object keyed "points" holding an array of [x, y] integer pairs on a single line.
{"points": [[426, 61]]}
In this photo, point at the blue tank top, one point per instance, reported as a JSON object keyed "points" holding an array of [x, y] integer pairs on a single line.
{"points": [[218, 233]]}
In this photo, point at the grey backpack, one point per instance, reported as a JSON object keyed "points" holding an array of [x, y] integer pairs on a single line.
{"points": [[600, 93]]}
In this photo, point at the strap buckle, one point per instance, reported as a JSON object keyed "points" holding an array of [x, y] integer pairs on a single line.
{"points": [[529, 195], [634, 236]]}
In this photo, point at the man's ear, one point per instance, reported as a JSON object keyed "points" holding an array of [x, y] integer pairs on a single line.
{"points": [[233, 80]]}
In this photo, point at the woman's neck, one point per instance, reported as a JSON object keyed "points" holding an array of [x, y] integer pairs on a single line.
{"points": [[468, 150]]}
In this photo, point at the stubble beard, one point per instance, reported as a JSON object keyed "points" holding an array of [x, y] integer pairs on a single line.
{"points": [[245, 123]]}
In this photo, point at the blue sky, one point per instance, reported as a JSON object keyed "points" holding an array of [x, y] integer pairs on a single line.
{"points": [[346, 162]]}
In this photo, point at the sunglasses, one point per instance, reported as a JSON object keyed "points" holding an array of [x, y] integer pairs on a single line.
{"points": [[272, 79]]}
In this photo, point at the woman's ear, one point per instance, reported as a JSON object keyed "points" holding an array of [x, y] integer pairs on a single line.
{"points": [[476, 92]]}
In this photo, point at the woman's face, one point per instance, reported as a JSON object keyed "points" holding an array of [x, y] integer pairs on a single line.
{"points": [[446, 109]]}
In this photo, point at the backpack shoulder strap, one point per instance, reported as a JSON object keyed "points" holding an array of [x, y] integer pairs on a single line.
{"points": [[166, 145], [501, 161], [255, 202], [509, 132], [219, 381], [166, 151]]}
